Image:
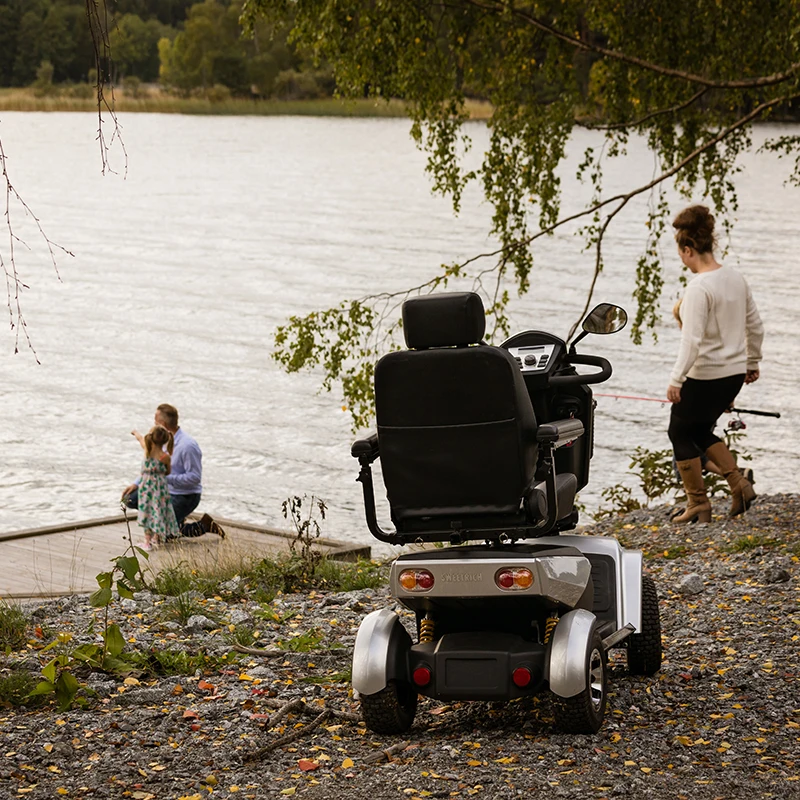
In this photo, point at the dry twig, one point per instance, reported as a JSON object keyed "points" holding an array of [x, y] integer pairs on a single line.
{"points": [[387, 754], [292, 737]]}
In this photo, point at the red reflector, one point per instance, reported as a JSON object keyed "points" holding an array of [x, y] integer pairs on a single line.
{"points": [[505, 579], [422, 676], [521, 677], [424, 579]]}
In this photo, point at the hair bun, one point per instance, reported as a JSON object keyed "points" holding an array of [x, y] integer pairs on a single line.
{"points": [[695, 228]]}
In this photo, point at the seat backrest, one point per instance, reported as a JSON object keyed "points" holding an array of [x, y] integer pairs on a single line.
{"points": [[456, 428]]}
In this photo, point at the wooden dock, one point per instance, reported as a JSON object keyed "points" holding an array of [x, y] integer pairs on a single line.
{"points": [[64, 559]]}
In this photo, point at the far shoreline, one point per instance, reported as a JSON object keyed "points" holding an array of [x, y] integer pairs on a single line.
{"points": [[155, 101]]}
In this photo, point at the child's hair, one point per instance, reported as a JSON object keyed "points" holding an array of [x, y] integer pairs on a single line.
{"points": [[694, 227], [156, 438], [676, 312]]}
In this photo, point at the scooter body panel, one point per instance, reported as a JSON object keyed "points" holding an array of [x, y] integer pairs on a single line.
{"points": [[566, 663], [380, 653], [627, 576]]}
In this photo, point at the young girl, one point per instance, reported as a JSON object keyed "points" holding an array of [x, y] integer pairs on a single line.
{"points": [[156, 514]]}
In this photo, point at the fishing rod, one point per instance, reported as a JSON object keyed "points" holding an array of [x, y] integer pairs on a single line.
{"points": [[753, 411]]}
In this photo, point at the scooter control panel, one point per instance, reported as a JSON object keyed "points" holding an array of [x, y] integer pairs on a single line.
{"points": [[533, 358]]}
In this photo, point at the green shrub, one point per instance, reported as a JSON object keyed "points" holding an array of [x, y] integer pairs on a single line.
{"points": [[158, 663], [752, 542], [13, 626], [15, 688], [175, 580]]}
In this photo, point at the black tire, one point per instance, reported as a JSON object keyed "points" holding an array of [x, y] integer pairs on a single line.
{"points": [[644, 649], [585, 712], [391, 710]]}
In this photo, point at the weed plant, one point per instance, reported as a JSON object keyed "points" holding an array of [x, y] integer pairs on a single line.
{"points": [[13, 627], [262, 580], [158, 663], [184, 606], [15, 688], [242, 635], [752, 541]]}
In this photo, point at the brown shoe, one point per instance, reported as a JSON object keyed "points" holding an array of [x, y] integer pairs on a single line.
{"points": [[209, 526], [742, 491], [698, 507]]}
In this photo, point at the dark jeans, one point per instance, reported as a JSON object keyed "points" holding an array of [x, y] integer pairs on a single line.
{"points": [[182, 504], [692, 421]]}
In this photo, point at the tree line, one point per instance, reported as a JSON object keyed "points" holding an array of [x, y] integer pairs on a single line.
{"points": [[188, 47]]}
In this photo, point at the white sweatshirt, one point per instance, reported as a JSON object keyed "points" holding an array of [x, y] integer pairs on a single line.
{"points": [[722, 331]]}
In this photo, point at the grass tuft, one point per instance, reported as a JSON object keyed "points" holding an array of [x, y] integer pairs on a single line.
{"points": [[752, 542], [13, 626], [15, 688]]}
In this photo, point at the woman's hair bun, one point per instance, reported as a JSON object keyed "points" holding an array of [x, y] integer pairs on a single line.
{"points": [[694, 227]]}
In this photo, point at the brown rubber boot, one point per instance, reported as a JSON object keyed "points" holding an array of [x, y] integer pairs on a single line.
{"points": [[698, 507], [742, 492]]}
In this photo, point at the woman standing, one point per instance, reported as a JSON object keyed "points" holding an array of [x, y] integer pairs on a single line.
{"points": [[720, 349]]}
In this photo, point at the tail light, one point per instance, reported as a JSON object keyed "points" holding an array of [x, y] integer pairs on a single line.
{"points": [[514, 579], [416, 580], [521, 677], [422, 676]]}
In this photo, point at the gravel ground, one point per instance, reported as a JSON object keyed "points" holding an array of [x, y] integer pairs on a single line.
{"points": [[721, 719]]}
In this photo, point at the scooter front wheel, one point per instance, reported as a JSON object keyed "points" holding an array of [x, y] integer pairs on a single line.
{"points": [[391, 710], [585, 711]]}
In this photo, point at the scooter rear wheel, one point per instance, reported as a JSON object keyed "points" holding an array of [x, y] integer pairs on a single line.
{"points": [[644, 649], [585, 712], [391, 710]]}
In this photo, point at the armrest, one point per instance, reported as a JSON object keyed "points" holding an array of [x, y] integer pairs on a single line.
{"points": [[366, 448], [560, 432]]}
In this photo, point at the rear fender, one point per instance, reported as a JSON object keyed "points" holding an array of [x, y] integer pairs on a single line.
{"points": [[381, 652], [566, 662]]}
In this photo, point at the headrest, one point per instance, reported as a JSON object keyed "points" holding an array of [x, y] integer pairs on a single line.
{"points": [[443, 320]]}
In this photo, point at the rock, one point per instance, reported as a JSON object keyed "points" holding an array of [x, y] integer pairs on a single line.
{"points": [[128, 604], [262, 672], [232, 586], [775, 574], [198, 622], [240, 617], [691, 584]]}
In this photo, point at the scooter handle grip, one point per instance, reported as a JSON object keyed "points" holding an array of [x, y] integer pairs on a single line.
{"points": [[582, 380]]}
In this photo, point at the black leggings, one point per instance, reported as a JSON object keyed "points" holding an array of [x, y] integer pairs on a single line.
{"points": [[692, 421]]}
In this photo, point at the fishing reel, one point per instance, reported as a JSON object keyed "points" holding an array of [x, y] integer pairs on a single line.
{"points": [[735, 425]]}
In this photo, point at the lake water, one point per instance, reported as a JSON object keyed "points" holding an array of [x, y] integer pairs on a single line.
{"points": [[225, 226]]}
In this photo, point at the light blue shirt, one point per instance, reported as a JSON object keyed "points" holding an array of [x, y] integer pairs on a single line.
{"points": [[187, 466]]}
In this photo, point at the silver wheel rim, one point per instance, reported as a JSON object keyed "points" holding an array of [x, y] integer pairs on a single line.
{"points": [[596, 682]]}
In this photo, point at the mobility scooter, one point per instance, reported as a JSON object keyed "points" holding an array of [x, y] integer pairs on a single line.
{"points": [[484, 448]]}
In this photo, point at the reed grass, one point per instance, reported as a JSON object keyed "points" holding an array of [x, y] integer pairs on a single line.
{"points": [[158, 102]]}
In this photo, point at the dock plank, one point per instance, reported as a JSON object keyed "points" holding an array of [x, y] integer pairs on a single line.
{"points": [[63, 560]]}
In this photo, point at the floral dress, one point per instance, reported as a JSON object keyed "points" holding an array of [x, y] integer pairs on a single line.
{"points": [[155, 507]]}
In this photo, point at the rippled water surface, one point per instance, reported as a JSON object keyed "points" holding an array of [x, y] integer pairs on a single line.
{"points": [[225, 226]]}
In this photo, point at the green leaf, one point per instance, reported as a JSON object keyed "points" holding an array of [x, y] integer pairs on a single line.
{"points": [[87, 652], [115, 642], [101, 598], [66, 688], [105, 580], [124, 590], [129, 565], [43, 687], [49, 672], [142, 552]]}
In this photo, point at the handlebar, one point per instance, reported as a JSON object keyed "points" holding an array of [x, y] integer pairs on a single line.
{"points": [[582, 380]]}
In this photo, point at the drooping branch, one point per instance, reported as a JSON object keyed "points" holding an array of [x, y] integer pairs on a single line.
{"points": [[582, 44], [99, 25], [647, 117], [624, 198], [14, 282]]}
